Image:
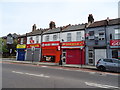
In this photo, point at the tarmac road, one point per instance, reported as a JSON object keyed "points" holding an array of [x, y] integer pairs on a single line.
{"points": [[32, 76]]}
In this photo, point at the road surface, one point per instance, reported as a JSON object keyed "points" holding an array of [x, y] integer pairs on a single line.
{"points": [[33, 76]]}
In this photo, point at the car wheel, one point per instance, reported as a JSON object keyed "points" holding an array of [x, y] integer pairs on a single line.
{"points": [[101, 68]]}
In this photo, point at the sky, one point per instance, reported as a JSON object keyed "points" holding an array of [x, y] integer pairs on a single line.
{"points": [[18, 16]]}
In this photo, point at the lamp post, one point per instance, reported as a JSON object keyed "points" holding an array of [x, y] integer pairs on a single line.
{"points": [[81, 55], [33, 49], [41, 45]]}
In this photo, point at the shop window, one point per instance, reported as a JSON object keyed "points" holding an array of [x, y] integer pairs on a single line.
{"points": [[68, 37], [54, 37], [117, 33], [49, 58], [78, 36]]}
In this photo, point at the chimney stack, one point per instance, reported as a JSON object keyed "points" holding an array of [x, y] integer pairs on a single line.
{"points": [[90, 18], [34, 27], [52, 25]]}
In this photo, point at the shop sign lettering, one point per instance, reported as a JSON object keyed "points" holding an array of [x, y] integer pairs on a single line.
{"points": [[21, 46], [115, 43], [80, 43], [33, 45], [45, 44]]}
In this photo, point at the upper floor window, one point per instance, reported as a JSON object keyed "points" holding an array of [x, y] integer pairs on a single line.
{"points": [[68, 37], [47, 38], [31, 40], [78, 36], [54, 37], [91, 33], [37, 39], [101, 35], [117, 33], [21, 41]]}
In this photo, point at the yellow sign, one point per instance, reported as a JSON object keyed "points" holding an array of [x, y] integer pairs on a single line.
{"points": [[21, 46]]}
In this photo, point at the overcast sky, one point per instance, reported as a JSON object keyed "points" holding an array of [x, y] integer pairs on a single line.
{"points": [[18, 16]]}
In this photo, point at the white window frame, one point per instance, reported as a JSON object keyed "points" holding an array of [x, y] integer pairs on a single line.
{"points": [[102, 37], [69, 37], [78, 36], [55, 37], [117, 33], [47, 38], [37, 39]]}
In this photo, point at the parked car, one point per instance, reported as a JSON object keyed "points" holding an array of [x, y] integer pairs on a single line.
{"points": [[107, 64]]}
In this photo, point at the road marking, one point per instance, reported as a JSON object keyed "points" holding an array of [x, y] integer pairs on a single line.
{"points": [[92, 72], [30, 74], [100, 85], [18, 72]]}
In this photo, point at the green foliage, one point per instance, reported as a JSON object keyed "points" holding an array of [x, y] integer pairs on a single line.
{"points": [[0, 44], [3, 46]]}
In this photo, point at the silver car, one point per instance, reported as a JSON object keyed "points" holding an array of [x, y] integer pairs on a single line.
{"points": [[108, 64]]}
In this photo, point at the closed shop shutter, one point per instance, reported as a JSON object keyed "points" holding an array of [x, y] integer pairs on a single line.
{"points": [[99, 53], [73, 56]]}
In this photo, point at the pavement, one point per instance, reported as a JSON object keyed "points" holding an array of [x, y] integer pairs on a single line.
{"points": [[13, 60]]}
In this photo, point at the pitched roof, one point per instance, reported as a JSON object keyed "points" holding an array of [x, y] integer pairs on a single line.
{"points": [[24, 35], [114, 21], [104, 23], [36, 32], [54, 30], [98, 24], [73, 27]]}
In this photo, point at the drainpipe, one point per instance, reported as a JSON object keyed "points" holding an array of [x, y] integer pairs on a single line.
{"points": [[41, 45], [106, 39]]}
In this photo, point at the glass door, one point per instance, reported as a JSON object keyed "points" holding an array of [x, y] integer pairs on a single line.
{"points": [[91, 57]]}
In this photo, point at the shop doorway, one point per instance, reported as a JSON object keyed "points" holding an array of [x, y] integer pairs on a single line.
{"points": [[91, 57]]}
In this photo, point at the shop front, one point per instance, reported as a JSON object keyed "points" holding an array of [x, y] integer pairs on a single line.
{"points": [[33, 52], [73, 52], [21, 50], [115, 48], [51, 51]]}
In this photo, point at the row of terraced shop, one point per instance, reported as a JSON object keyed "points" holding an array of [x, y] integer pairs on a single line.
{"points": [[72, 44]]}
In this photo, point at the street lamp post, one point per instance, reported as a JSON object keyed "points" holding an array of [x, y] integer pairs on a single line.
{"points": [[81, 55], [33, 49]]}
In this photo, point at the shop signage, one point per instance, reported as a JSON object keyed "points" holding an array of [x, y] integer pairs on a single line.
{"points": [[49, 44], [79, 43], [33, 45], [115, 43], [21, 46]]}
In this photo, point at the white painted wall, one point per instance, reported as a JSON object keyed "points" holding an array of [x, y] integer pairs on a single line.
{"points": [[34, 38], [74, 35], [51, 37]]}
